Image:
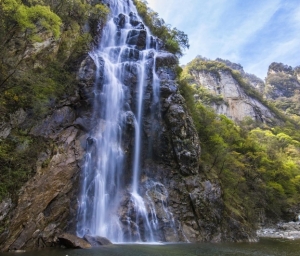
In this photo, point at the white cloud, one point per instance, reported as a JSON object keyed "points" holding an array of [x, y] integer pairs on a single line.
{"points": [[284, 52], [241, 33], [225, 29]]}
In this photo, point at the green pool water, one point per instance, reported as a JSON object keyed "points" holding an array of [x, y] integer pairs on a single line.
{"points": [[264, 247]]}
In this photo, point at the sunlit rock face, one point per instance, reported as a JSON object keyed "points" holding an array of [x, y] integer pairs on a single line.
{"points": [[253, 80], [236, 104]]}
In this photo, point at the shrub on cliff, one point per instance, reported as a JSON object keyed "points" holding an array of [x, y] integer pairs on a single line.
{"points": [[175, 41]]}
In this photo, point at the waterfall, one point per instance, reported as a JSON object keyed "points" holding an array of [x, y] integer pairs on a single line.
{"points": [[126, 46]]}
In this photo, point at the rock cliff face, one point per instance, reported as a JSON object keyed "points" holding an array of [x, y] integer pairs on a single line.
{"points": [[282, 81], [189, 207], [283, 87], [46, 202], [254, 81], [237, 103]]}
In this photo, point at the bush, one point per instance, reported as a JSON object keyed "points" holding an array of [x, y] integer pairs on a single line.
{"points": [[18, 155], [175, 41]]}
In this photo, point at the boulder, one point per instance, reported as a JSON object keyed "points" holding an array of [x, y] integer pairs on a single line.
{"points": [[97, 241], [165, 59], [72, 241], [86, 73], [102, 240]]}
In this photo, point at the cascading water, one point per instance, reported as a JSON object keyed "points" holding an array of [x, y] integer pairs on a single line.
{"points": [[126, 45]]}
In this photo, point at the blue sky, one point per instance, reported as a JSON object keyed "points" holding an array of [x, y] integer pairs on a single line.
{"points": [[254, 33]]}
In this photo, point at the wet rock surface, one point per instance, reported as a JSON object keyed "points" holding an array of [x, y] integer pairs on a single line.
{"points": [[137, 38], [97, 241], [287, 230]]}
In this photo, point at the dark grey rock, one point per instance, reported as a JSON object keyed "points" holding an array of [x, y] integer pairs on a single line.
{"points": [[86, 73], [137, 38], [52, 125], [120, 20], [97, 241], [5, 207], [130, 54], [134, 21]]}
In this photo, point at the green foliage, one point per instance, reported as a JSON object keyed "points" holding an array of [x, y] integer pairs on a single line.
{"points": [[38, 81], [257, 167], [40, 89], [290, 105], [175, 40], [207, 97], [78, 10], [202, 65], [29, 19], [40, 20], [18, 155]]}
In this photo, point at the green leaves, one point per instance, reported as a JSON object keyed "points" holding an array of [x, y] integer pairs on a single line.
{"points": [[16, 164], [175, 40], [30, 19]]}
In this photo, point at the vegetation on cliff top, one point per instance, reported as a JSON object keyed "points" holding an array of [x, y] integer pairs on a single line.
{"points": [[200, 65], [175, 41], [283, 88]]}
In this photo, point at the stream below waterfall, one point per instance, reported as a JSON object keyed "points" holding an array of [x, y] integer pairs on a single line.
{"points": [[265, 247]]}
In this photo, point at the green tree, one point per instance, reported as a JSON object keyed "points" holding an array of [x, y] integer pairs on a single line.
{"points": [[175, 41]]}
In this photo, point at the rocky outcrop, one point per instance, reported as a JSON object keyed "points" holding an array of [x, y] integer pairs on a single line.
{"points": [[5, 207], [253, 80], [188, 207], [282, 81], [45, 203], [288, 230], [236, 104]]}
